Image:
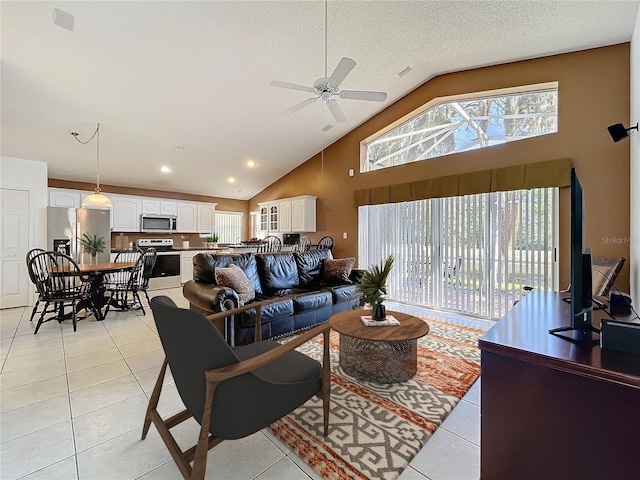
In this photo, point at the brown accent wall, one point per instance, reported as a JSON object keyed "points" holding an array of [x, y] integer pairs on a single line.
{"points": [[593, 93]]}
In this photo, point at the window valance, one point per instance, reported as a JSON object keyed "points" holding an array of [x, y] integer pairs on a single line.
{"points": [[552, 173]]}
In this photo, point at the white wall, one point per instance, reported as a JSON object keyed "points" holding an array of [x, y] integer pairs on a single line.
{"points": [[634, 161], [19, 174]]}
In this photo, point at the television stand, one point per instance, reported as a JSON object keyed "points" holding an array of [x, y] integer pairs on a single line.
{"points": [[554, 409], [588, 335]]}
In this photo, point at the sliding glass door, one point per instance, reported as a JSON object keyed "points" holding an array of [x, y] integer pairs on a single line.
{"points": [[470, 254]]}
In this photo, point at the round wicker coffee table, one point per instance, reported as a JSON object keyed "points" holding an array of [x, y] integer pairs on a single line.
{"points": [[379, 354]]}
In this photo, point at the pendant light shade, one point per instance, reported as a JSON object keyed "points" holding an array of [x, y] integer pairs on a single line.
{"points": [[96, 199]]}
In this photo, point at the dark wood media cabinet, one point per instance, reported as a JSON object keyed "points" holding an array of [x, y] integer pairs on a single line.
{"points": [[552, 409]]}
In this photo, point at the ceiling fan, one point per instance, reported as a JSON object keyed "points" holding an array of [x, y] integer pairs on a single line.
{"points": [[328, 88]]}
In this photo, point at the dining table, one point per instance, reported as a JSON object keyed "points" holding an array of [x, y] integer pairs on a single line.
{"points": [[97, 271]]}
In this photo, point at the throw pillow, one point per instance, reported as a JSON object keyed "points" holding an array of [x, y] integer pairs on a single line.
{"points": [[233, 277], [336, 272]]}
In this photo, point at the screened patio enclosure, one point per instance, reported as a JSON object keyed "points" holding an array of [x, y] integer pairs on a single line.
{"points": [[471, 254]]}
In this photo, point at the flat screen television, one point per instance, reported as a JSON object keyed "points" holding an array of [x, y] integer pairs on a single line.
{"points": [[580, 328]]}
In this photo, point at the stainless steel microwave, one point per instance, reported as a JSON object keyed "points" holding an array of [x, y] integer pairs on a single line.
{"points": [[158, 223]]}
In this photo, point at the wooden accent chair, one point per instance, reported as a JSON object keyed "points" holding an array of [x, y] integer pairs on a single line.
{"points": [[271, 244], [231, 392], [603, 274]]}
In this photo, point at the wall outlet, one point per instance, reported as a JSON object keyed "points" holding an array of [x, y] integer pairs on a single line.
{"points": [[344, 235]]}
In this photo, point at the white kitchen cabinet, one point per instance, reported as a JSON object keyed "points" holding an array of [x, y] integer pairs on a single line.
{"points": [[126, 213], [187, 217], [264, 217], [168, 207], [158, 206], [186, 268], [151, 206], [64, 197], [284, 216], [303, 214], [273, 217], [206, 217], [295, 214]]}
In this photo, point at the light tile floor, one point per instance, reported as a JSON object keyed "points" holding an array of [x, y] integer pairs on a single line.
{"points": [[72, 406]]}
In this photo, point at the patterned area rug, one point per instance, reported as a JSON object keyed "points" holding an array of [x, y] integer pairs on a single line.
{"points": [[375, 430]]}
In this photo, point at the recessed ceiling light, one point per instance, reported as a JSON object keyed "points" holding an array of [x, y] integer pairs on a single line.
{"points": [[231, 180], [179, 148], [250, 163], [402, 73], [165, 169]]}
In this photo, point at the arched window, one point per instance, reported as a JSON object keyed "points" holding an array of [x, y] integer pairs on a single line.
{"points": [[456, 124]]}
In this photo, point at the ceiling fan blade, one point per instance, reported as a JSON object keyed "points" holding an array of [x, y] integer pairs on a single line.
{"points": [[291, 86], [342, 70], [336, 111], [363, 95], [298, 106]]}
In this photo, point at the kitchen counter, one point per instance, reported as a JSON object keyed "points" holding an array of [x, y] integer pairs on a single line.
{"points": [[181, 249]]}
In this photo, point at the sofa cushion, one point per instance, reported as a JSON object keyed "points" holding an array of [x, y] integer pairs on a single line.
{"points": [[310, 266], [277, 271], [204, 265], [312, 301], [272, 311], [336, 272], [342, 293], [234, 277]]}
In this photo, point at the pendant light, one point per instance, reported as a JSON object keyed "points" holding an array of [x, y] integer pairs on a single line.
{"points": [[96, 199]]}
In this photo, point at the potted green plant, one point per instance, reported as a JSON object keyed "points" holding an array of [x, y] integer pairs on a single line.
{"points": [[373, 287], [93, 245], [212, 240]]}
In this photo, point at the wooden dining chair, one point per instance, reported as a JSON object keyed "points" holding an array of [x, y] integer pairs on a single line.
{"points": [[60, 282], [325, 242], [302, 245], [30, 254], [140, 276], [230, 392], [271, 244], [118, 284]]}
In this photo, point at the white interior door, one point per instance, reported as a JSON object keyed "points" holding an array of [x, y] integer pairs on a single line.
{"points": [[14, 244]]}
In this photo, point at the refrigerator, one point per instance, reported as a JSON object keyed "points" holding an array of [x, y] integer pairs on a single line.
{"points": [[66, 226]]}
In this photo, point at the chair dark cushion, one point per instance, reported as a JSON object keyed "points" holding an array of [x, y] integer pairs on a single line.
{"points": [[292, 367], [277, 271], [310, 266]]}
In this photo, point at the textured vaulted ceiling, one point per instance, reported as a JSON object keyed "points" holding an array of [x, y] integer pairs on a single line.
{"points": [[161, 74]]}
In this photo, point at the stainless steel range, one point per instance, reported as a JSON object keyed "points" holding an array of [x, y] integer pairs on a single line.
{"points": [[166, 272]]}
